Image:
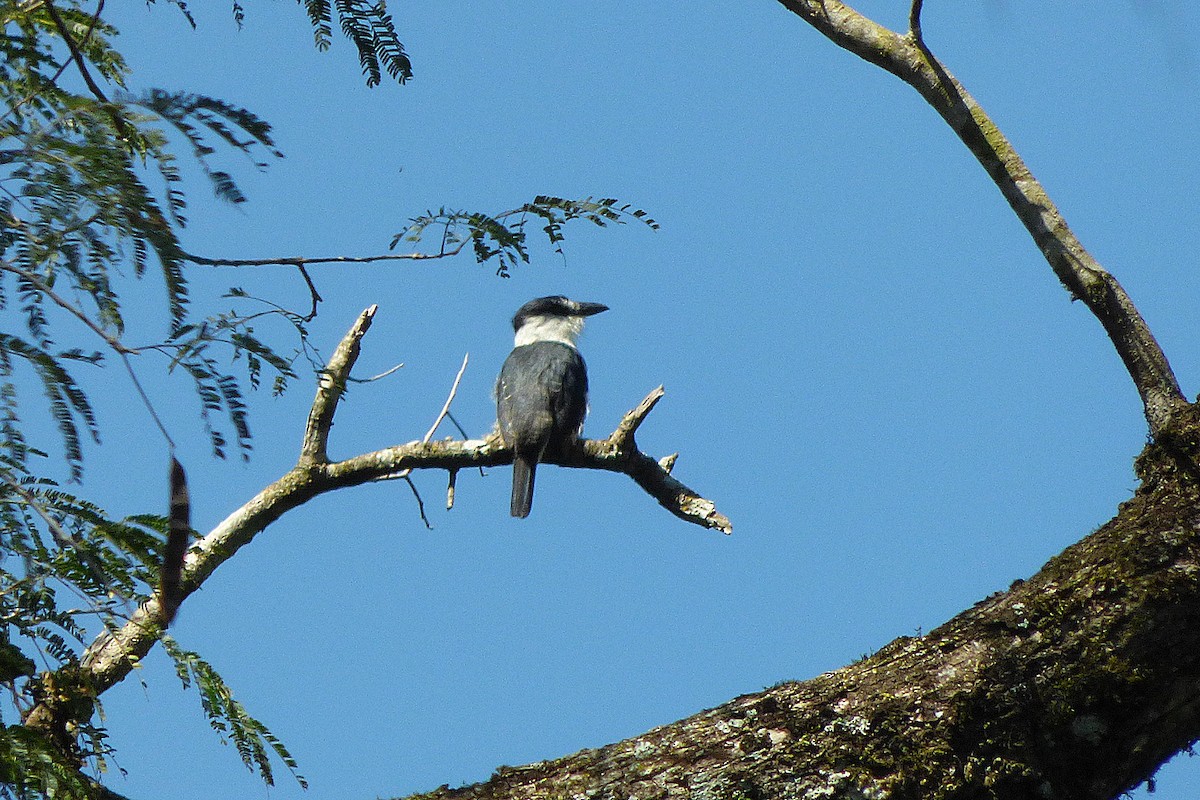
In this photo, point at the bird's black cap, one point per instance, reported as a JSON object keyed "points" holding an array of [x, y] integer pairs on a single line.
{"points": [[555, 306]]}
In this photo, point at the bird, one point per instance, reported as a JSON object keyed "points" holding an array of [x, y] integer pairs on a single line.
{"points": [[541, 394]]}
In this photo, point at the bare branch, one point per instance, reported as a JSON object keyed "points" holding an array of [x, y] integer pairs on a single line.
{"points": [[115, 653], [314, 295], [420, 503], [449, 399], [622, 437], [380, 376], [907, 58], [330, 388], [304, 262]]}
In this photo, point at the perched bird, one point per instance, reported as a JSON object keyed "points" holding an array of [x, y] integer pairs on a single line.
{"points": [[541, 394]]}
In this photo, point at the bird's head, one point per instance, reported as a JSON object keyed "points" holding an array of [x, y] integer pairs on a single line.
{"points": [[554, 319]]}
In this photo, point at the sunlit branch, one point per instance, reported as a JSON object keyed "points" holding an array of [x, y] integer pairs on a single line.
{"points": [[111, 657], [909, 59]]}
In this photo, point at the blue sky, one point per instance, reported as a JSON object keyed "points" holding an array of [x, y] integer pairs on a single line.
{"points": [[868, 365]]}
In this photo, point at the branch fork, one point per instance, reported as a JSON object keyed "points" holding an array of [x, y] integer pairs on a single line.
{"points": [[115, 653]]}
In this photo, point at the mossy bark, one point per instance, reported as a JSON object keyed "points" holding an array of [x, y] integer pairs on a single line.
{"points": [[1076, 683]]}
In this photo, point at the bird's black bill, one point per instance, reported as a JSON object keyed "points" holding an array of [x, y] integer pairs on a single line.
{"points": [[587, 309]]}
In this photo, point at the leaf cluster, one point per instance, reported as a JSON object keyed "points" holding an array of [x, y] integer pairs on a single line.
{"points": [[228, 717], [91, 198], [504, 237]]}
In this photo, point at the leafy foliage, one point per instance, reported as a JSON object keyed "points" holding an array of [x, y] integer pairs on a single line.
{"points": [[369, 26], [253, 742], [92, 199], [30, 766], [506, 241]]}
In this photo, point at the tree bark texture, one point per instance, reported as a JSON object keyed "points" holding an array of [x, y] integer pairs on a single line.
{"points": [[1077, 683]]}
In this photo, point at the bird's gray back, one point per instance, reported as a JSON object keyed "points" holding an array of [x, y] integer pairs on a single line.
{"points": [[541, 394]]}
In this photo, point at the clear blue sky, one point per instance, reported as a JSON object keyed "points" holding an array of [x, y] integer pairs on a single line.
{"points": [[868, 365]]}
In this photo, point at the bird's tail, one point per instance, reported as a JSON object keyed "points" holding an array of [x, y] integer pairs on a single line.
{"points": [[522, 491]]}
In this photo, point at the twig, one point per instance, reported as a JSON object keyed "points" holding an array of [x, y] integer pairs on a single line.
{"points": [[407, 474], [137, 384], [450, 484], [420, 503], [60, 536], [312, 290], [383, 374], [113, 342], [63, 539], [67, 306], [120, 124], [93, 87], [449, 400], [457, 427], [61, 68]]}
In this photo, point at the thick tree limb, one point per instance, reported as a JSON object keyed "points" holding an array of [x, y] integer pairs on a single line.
{"points": [[907, 57], [1074, 684], [111, 657]]}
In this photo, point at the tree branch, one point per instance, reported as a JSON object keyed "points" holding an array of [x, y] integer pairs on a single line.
{"points": [[909, 59], [1076, 684], [119, 124], [330, 388], [304, 262], [34, 280], [113, 654]]}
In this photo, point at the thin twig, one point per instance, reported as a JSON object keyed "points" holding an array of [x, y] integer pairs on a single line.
{"points": [[465, 435], [68, 306], [404, 473], [458, 427], [449, 400], [63, 539], [60, 536], [112, 341], [119, 123], [312, 290], [420, 503], [146, 401], [383, 374], [93, 87]]}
